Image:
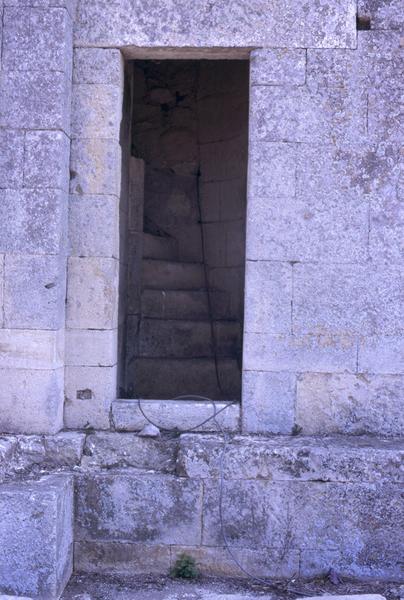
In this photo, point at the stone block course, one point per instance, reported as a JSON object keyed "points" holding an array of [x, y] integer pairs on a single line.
{"points": [[43, 306], [11, 158], [36, 536], [281, 66], [363, 299], [32, 221], [384, 14], [351, 404], [88, 215], [31, 349], [36, 396], [139, 508], [46, 160], [35, 100], [89, 392], [381, 354], [36, 39], [95, 167], [98, 65], [322, 353], [268, 402], [96, 111], [91, 347], [92, 297]]}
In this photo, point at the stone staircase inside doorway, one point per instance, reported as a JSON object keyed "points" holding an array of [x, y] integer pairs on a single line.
{"points": [[176, 341]]}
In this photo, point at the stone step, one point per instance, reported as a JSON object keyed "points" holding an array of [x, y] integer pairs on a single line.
{"points": [[184, 304], [185, 339], [171, 275], [159, 247], [172, 377]]}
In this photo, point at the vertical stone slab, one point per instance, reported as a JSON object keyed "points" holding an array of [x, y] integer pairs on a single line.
{"points": [[36, 537], [94, 234], [35, 98]]}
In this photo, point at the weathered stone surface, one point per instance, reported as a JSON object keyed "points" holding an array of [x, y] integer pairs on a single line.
{"points": [[112, 450], [36, 534], [381, 354], [384, 14], [31, 401], [386, 235], [95, 167], [278, 67], [37, 40], [43, 307], [92, 293], [7, 447], [98, 65], [11, 158], [268, 404], [357, 519], [32, 221], [88, 215], [35, 100], [91, 348], [31, 349], [268, 297], [321, 353], [121, 558], [96, 111], [1, 290], [46, 161], [262, 24], [70, 5], [122, 506], [281, 458], [364, 299], [353, 404], [89, 392], [308, 205], [172, 414]]}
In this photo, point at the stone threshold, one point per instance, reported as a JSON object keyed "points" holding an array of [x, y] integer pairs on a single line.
{"points": [[184, 415]]}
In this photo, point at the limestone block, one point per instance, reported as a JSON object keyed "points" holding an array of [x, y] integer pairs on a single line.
{"points": [[92, 293], [159, 509], [297, 458], [31, 400], [31, 349], [351, 404], [36, 40], [345, 299], [96, 111], [1, 290], [89, 392], [46, 162], [268, 297], [180, 414], [11, 158], [98, 65], [386, 235], [357, 519], [268, 404], [111, 449], [275, 66], [32, 221], [70, 5], [33, 452], [88, 216], [381, 354], [95, 167], [314, 207], [124, 558], [261, 24], [34, 292], [283, 114], [91, 347], [36, 533], [35, 100], [384, 14], [385, 106], [319, 353]]}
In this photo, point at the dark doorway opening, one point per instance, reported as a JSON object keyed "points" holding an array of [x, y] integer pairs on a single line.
{"points": [[183, 228]]}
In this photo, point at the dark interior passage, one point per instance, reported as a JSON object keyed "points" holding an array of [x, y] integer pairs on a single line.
{"points": [[186, 229]]}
